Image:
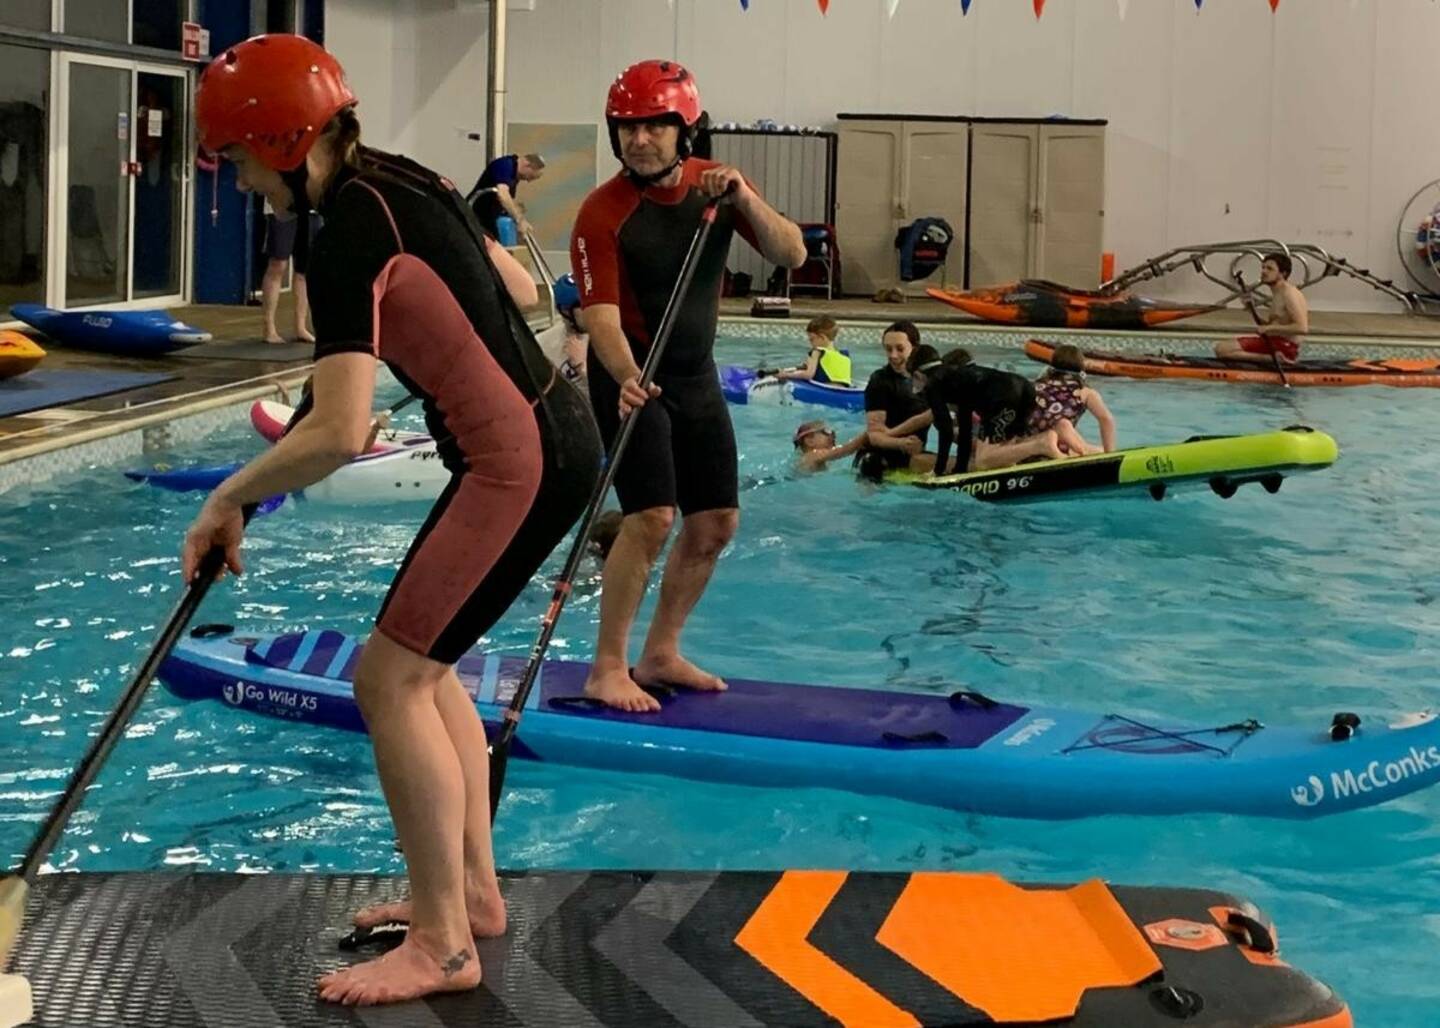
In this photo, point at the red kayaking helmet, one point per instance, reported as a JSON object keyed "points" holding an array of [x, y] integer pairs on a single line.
{"points": [[273, 95], [655, 91]]}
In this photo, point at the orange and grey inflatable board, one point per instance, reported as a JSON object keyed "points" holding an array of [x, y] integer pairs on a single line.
{"points": [[714, 949], [18, 354], [1412, 372], [1041, 304]]}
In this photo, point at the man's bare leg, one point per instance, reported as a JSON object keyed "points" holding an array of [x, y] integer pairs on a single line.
{"points": [[687, 572], [424, 786], [483, 903], [627, 573], [1230, 350], [302, 308], [270, 298]]}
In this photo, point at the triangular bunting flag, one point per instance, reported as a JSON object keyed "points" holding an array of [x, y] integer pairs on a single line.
{"points": [[824, 6], [1124, 6], [1039, 7], [744, 5], [964, 7], [892, 4], [1198, 3], [1274, 4]]}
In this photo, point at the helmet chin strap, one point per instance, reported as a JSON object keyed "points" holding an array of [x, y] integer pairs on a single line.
{"points": [[654, 176]]}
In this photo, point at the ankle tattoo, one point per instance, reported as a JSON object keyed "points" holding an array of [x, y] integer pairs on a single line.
{"points": [[455, 963]]}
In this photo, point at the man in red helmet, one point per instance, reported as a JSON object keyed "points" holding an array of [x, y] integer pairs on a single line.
{"points": [[402, 273], [629, 243]]}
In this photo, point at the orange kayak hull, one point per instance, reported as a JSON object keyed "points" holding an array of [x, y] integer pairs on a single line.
{"points": [[1050, 305], [1400, 372]]}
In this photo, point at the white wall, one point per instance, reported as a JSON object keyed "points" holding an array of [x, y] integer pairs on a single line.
{"points": [[419, 70], [1313, 124]]}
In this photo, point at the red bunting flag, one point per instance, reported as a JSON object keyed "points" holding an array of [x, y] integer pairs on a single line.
{"points": [[1274, 4], [824, 6], [1039, 7]]}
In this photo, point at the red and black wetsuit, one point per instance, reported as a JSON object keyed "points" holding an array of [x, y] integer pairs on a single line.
{"points": [[627, 249], [399, 271]]}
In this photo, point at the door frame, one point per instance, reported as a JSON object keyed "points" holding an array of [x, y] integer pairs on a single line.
{"points": [[57, 259]]}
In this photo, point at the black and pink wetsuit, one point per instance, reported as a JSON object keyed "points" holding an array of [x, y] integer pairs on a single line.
{"points": [[399, 272]]}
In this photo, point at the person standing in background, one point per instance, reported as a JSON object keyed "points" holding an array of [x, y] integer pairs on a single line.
{"points": [[280, 249], [494, 194]]}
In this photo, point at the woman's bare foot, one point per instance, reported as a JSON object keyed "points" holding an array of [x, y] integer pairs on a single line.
{"points": [[673, 669], [409, 971], [615, 688], [486, 914], [274, 337], [304, 335]]}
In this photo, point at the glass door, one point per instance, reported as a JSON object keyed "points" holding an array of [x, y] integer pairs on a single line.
{"points": [[160, 173], [94, 203], [125, 180]]}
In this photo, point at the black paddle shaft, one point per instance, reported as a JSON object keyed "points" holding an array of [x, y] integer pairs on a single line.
{"points": [[114, 727], [500, 749]]}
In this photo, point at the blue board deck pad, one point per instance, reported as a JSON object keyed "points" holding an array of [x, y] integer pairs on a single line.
{"points": [[958, 750]]}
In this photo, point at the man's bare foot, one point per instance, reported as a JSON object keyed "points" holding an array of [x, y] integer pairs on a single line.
{"points": [[617, 689], [487, 915], [673, 669], [407, 972]]}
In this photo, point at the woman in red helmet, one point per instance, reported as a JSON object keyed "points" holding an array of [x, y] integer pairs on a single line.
{"points": [[627, 249], [402, 274]]}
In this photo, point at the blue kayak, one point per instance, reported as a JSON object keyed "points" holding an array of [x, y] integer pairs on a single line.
{"points": [[184, 480], [127, 333], [744, 386], [963, 751]]}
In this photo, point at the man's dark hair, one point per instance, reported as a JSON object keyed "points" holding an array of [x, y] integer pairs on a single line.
{"points": [[1282, 261]]}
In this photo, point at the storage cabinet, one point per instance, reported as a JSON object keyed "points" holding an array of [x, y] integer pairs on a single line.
{"points": [[1025, 198], [890, 171], [1037, 197]]}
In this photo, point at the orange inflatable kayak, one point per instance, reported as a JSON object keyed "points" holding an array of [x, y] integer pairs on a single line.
{"points": [[18, 354], [1050, 305], [1424, 373]]}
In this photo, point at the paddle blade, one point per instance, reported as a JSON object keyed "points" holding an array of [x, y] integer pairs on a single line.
{"points": [[499, 757], [13, 890]]}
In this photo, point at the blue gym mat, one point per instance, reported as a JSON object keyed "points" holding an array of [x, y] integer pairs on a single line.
{"points": [[40, 389]]}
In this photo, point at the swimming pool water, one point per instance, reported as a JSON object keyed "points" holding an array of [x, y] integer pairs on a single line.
{"points": [[1286, 608]]}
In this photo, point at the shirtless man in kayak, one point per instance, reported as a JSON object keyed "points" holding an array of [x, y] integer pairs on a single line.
{"points": [[1282, 328]]}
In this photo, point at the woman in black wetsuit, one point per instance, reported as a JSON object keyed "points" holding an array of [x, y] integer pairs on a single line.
{"points": [[402, 273]]}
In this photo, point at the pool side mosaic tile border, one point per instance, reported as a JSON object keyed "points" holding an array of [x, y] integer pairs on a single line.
{"points": [[156, 434], [124, 446], [792, 330]]}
